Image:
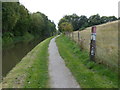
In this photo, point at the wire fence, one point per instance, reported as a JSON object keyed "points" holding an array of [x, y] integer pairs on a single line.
{"points": [[106, 44]]}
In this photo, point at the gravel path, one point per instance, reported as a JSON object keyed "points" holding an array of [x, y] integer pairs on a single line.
{"points": [[60, 76]]}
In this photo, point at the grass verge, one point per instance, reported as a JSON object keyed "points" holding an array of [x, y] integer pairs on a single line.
{"points": [[32, 71], [106, 43], [87, 73]]}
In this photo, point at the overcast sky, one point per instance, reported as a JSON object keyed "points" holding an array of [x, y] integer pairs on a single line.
{"points": [[56, 9]]}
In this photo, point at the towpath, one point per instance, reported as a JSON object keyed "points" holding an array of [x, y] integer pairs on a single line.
{"points": [[60, 75]]}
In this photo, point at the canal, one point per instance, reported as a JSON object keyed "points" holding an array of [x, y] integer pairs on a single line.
{"points": [[12, 56]]}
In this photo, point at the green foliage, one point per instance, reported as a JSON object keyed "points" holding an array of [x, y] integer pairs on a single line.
{"points": [[21, 24], [112, 18], [10, 15], [51, 29], [36, 24], [81, 22], [94, 20], [87, 73], [105, 19], [66, 27], [27, 37], [7, 38], [76, 21]]}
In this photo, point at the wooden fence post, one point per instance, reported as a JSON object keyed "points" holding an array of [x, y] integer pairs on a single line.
{"points": [[78, 37], [93, 44], [72, 35], [69, 34]]}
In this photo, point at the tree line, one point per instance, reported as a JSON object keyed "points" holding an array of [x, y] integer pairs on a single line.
{"points": [[18, 22], [81, 22]]}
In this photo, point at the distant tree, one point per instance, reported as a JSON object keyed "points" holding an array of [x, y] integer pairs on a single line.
{"points": [[104, 19], [45, 27], [40, 25], [94, 20], [51, 29], [66, 27], [112, 18], [62, 20], [76, 21], [83, 22]]}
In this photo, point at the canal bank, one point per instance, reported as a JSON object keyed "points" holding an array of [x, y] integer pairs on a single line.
{"points": [[24, 73], [13, 54]]}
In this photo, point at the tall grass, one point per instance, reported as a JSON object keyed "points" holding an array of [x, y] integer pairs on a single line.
{"points": [[106, 43], [87, 73]]}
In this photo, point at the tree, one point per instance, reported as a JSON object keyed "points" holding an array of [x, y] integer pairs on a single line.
{"points": [[22, 24], [10, 13], [51, 29], [94, 20], [74, 20], [66, 27], [83, 22], [18, 22], [37, 24], [104, 19], [40, 25], [112, 18]]}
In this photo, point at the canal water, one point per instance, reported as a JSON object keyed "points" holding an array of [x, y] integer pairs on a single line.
{"points": [[12, 56]]}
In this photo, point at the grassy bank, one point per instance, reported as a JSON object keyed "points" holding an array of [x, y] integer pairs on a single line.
{"points": [[32, 71], [106, 43], [88, 74]]}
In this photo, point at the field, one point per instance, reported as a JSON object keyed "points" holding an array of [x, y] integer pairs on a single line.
{"points": [[106, 43]]}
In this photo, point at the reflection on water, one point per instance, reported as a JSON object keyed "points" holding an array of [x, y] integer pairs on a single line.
{"points": [[12, 56]]}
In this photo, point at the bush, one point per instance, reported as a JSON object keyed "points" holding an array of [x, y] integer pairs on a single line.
{"points": [[7, 38], [28, 37]]}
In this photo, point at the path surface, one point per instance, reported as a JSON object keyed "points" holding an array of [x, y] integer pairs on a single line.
{"points": [[60, 76]]}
